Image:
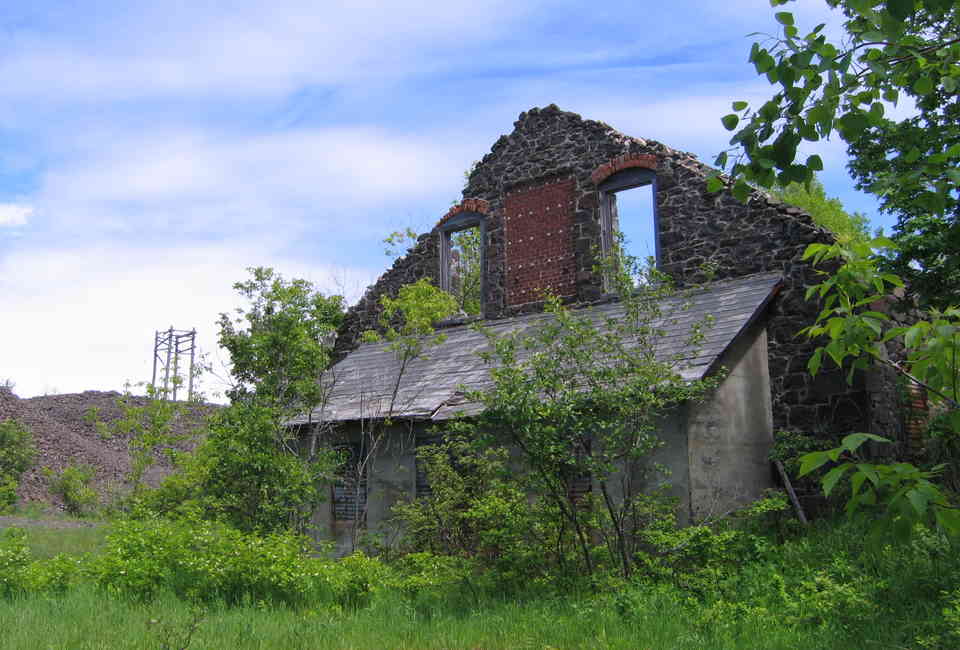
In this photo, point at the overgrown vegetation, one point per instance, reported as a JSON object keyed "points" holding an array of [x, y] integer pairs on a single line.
{"points": [[17, 454], [73, 484]]}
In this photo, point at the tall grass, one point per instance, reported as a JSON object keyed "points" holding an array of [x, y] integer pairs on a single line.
{"points": [[84, 619], [826, 588]]}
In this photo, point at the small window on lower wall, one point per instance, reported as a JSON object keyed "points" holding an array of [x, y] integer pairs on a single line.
{"points": [[350, 488]]}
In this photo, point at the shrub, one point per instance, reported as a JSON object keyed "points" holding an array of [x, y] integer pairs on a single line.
{"points": [[206, 561], [17, 453], [14, 557], [73, 486], [240, 475]]}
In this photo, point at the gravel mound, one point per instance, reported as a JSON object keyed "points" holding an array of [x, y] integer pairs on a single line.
{"points": [[64, 437]]}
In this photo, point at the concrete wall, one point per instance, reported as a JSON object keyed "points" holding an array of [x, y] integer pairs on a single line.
{"points": [[730, 433], [391, 476]]}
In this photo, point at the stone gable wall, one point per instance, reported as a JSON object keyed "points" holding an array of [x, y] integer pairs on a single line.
{"points": [[555, 158]]}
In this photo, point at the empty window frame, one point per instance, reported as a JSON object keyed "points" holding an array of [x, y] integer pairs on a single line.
{"points": [[350, 487], [462, 261], [628, 215]]}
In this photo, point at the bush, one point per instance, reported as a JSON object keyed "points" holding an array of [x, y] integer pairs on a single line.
{"points": [[240, 475], [14, 557], [205, 561], [17, 453], [73, 486]]}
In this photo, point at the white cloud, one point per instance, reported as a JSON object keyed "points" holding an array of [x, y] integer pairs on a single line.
{"points": [[14, 214], [84, 319], [190, 181], [257, 48]]}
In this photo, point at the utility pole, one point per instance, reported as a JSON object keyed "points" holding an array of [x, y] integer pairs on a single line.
{"points": [[168, 346]]}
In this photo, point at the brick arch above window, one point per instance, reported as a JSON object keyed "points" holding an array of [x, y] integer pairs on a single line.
{"points": [[626, 161], [476, 206]]}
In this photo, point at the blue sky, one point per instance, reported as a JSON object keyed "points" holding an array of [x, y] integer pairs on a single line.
{"points": [[149, 151]]}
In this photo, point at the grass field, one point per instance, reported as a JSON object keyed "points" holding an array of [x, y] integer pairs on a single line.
{"points": [[84, 619], [48, 536]]}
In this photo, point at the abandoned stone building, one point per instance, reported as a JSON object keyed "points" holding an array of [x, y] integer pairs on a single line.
{"points": [[545, 202]]}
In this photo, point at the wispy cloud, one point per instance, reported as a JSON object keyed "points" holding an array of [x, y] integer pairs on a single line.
{"points": [[14, 214]]}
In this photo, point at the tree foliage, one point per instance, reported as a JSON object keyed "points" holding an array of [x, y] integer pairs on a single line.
{"points": [[17, 454], [857, 329], [895, 50], [825, 211], [579, 399], [281, 343]]}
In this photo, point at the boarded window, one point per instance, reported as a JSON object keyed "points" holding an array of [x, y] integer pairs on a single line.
{"points": [[350, 488], [423, 488]]}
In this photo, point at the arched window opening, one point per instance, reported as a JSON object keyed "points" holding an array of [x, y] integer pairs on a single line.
{"points": [[629, 221]]}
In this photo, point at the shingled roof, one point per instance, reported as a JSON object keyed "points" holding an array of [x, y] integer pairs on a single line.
{"points": [[431, 386]]}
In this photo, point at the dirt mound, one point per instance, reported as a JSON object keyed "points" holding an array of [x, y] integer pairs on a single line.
{"points": [[65, 436]]}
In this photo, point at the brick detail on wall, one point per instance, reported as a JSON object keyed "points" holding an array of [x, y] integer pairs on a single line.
{"points": [[540, 255], [626, 161]]}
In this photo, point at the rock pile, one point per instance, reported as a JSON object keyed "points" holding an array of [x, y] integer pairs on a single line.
{"points": [[63, 436]]}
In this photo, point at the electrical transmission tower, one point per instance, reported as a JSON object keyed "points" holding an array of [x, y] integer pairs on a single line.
{"points": [[168, 347]]}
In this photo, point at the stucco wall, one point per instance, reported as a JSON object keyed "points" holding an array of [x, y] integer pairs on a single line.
{"points": [[731, 432]]}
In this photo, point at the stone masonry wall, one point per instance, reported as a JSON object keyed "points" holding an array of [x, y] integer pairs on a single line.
{"points": [[553, 157]]}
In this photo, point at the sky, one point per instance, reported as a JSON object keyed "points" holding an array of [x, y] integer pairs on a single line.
{"points": [[151, 151]]}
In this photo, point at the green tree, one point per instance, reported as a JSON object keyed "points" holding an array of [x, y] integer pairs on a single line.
{"points": [[825, 211], [893, 50], [252, 470], [149, 427], [281, 342], [577, 400], [466, 272], [855, 336]]}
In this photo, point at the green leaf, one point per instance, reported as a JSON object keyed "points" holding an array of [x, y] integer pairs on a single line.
{"points": [[923, 86], [730, 121], [815, 163], [815, 361], [900, 10], [813, 460], [852, 442], [918, 500], [739, 106], [868, 471], [949, 520], [831, 478], [741, 191], [714, 184], [784, 17]]}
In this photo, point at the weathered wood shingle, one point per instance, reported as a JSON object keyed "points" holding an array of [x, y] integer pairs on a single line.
{"points": [[430, 387]]}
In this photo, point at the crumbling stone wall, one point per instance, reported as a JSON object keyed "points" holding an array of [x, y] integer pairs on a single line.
{"points": [[538, 187], [422, 261]]}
